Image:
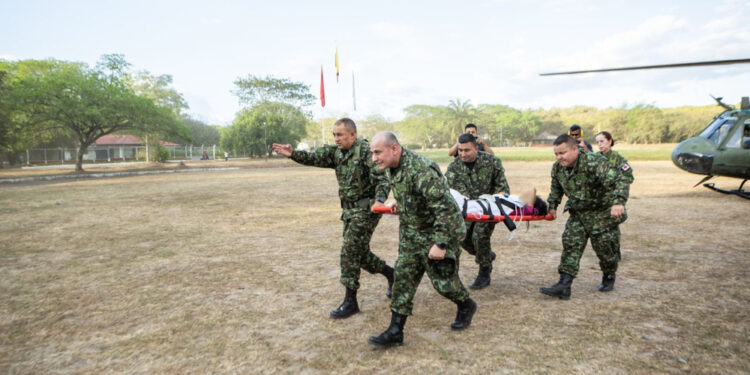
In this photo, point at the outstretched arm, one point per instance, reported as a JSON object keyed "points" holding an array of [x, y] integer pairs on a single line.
{"points": [[320, 157]]}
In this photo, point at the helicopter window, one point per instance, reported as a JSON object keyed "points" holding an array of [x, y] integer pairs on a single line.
{"points": [[711, 128], [717, 131], [734, 140]]}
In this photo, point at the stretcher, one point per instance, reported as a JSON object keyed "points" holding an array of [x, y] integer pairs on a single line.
{"points": [[476, 218]]}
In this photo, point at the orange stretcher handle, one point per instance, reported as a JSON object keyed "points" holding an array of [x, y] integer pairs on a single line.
{"points": [[472, 218]]}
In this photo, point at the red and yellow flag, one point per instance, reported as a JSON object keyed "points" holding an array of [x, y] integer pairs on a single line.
{"points": [[322, 89]]}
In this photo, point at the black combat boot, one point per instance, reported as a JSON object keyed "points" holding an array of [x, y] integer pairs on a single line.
{"points": [[388, 273], [483, 278], [608, 282], [394, 335], [561, 289], [464, 314], [349, 307]]}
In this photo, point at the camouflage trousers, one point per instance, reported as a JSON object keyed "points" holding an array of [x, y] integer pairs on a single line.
{"points": [[412, 263], [605, 239], [355, 248], [477, 242]]}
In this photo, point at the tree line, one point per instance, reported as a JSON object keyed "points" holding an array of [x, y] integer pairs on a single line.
{"points": [[436, 126], [426, 126], [53, 103]]}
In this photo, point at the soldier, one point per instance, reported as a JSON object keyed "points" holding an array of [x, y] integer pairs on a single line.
{"points": [[475, 173], [430, 229], [471, 129], [605, 142], [361, 184], [576, 132], [596, 204]]}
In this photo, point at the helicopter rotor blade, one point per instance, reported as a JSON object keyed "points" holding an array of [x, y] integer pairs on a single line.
{"points": [[678, 65]]}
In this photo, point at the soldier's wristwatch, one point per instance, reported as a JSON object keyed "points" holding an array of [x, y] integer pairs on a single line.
{"points": [[442, 245]]}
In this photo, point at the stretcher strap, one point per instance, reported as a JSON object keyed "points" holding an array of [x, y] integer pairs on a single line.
{"points": [[507, 221], [487, 210]]}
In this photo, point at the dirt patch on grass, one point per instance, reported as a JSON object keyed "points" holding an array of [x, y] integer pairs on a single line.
{"points": [[235, 272]]}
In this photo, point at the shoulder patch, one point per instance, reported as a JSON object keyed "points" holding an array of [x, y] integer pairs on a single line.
{"points": [[625, 167]]}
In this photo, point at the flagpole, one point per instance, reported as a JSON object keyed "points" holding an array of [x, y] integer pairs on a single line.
{"points": [[338, 87], [322, 107]]}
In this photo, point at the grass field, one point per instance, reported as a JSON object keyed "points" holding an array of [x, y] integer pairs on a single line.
{"points": [[630, 152], [236, 271]]}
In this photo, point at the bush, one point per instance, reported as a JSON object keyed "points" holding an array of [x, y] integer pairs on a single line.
{"points": [[162, 153]]}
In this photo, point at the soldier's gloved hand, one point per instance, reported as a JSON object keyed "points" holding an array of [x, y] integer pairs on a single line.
{"points": [[436, 253], [618, 210], [553, 214]]}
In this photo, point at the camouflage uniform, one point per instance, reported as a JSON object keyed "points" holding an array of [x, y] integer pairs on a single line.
{"points": [[487, 177], [427, 215], [360, 183], [592, 187], [619, 162]]}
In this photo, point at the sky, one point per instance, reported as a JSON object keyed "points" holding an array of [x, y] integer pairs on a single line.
{"points": [[403, 53]]}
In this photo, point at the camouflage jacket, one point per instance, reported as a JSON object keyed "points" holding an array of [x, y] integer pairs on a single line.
{"points": [[590, 184], [487, 176], [619, 162], [424, 201], [358, 177]]}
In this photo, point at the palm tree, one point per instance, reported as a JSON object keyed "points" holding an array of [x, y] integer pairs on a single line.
{"points": [[462, 113]]}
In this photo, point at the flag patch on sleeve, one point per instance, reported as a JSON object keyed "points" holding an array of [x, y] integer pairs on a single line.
{"points": [[625, 167]]}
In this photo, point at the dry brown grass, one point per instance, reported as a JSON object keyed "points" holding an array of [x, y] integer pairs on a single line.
{"points": [[235, 272]]}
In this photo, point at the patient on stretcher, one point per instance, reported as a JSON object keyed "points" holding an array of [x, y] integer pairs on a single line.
{"points": [[526, 204]]}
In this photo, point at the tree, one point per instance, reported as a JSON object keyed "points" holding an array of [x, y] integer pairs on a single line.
{"points": [[686, 122], [313, 130], [91, 103], [462, 113], [201, 133], [253, 90], [486, 116], [646, 124], [372, 124], [254, 129], [427, 125], [18, 131], [157, 88], [518, 126]]}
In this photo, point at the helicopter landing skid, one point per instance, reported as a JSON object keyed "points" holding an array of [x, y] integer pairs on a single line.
{"points": [[739, 192]]}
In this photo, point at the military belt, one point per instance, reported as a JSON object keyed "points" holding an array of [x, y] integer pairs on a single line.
{"points": [[362, 203]]}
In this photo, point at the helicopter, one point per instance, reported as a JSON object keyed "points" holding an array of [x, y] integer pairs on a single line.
{"points": [[722, 148]]}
